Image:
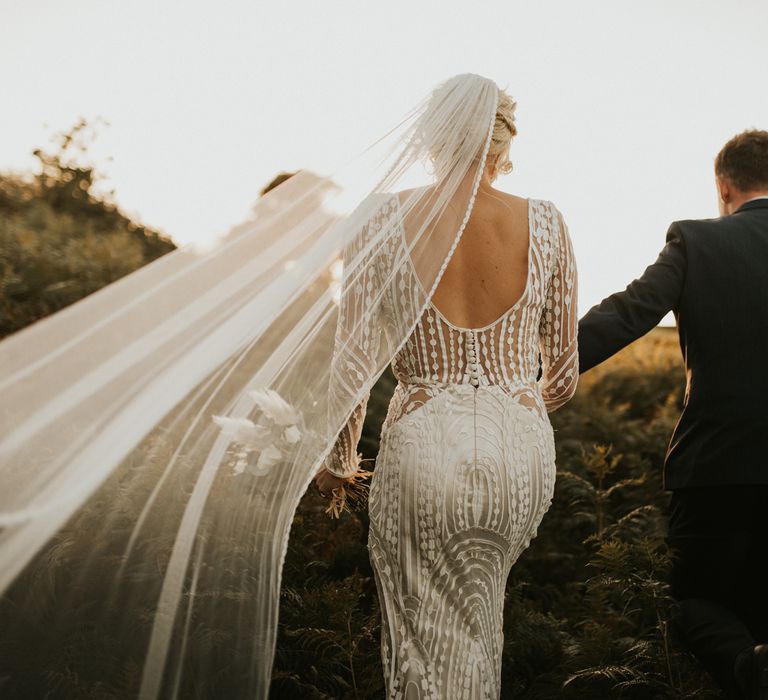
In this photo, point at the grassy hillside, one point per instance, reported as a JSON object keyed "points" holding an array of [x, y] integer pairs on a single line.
{"points": [[587, 605], [59, 239]]}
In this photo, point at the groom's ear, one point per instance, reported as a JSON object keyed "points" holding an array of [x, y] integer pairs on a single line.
{"points": [[725, 194], [723, 189]]}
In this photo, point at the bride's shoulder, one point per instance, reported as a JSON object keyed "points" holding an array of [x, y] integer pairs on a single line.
{"points": [[378, 204], [543, 205], [547, 209], [403, 196]]}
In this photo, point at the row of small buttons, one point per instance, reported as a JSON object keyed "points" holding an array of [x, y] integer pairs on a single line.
{"points": [[472, 365]]}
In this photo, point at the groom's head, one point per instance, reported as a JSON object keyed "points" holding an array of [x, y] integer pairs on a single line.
{"points": [[741, 170]]}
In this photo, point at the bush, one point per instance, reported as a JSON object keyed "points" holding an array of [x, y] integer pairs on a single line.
{"points": [[59, 240], [587, 606]]}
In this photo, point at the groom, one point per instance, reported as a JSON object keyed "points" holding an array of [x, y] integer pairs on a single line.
{"points": [[713, 274]]}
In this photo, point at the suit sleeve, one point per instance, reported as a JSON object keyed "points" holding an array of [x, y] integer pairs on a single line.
{"points": [[625, 316]]}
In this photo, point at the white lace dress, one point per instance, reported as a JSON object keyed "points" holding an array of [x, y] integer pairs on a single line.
{"points": [[465, 473]]}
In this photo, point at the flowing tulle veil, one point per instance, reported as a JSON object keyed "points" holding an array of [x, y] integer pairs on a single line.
{"points": [[157, 436]]}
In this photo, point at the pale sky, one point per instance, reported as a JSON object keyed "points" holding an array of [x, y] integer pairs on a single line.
{"points": [[622, 106]]}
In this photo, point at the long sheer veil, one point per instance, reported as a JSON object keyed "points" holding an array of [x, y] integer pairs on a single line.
{"points": [[157, 436]]}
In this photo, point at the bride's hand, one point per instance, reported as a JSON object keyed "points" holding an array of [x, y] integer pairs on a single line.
{"points": [[326, 482]]}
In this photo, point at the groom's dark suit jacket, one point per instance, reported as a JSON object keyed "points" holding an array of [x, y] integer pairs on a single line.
{"points": [[713, 274]]}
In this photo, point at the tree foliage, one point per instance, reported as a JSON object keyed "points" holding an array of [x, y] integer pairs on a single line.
{"points": [[59, 238]]}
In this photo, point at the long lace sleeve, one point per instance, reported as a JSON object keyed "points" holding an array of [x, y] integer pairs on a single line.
{"points": [[344, 460], [356, 348], [558, 330]]}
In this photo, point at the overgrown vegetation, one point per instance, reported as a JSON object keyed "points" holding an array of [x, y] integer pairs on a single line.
{"points": [[59, 238], [587, 606]]}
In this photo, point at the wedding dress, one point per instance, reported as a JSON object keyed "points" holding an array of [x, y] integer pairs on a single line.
{"points": [[466, 468]]}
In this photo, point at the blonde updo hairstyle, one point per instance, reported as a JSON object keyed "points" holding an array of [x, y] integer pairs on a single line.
{"points": [[503, 130], [444, 146]]}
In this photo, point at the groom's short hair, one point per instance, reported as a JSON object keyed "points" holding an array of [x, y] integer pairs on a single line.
{"points": [[743, 161]]}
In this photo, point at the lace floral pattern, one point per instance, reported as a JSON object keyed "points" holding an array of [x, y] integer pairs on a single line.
{"points": [[466, 466], [539, 331], [459, 490]]}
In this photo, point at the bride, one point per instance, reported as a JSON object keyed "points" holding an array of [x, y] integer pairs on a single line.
{"points": [[466, 465], [157, 436]]}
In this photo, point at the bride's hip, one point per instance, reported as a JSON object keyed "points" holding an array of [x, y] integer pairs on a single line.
{"points": [[482, 440], [438, 407]]}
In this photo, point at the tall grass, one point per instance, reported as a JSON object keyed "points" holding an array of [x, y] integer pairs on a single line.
{"points": [[587, 606]]}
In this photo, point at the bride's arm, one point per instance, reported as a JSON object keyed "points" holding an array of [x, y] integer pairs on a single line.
{"points": [[558, 330], [344, 461], [356, 348]]}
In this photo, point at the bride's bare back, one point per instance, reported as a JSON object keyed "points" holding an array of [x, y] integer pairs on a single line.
{"points": [[489, 268]]}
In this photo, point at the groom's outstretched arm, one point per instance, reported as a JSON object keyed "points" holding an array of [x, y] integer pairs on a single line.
{"points": [[626, 316]]}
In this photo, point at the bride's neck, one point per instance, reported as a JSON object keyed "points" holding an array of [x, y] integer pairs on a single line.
{"points": [[468, 182]]}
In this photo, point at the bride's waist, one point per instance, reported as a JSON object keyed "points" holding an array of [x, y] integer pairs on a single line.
{"points": [[411, 383], [452, 399], [407, 392]]}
